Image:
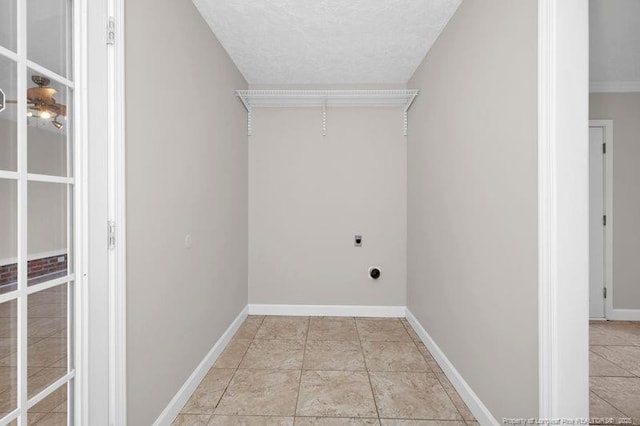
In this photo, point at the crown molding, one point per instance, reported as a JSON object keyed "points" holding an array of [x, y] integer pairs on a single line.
{"points": [[614, 86]]}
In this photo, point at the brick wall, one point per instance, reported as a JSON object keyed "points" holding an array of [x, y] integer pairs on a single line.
{"points": [[36, 268], [8, 273]]}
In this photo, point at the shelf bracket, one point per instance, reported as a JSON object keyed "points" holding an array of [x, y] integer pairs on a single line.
{"points": [[406, 121], [324, 119]]}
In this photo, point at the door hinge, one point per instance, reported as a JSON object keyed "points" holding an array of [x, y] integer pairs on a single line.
{"points": [[111, 227], [111, 31], [604, 148], [604, 220], [604, 292]]}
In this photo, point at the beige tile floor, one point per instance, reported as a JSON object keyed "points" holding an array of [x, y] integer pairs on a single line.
{"points": [[325, 371], [46, 353], [315, 371], [614, 370]]}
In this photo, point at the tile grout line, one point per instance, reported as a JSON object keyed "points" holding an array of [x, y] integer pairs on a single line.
{"points": [[416, 345], [361, 345], [366, 368], [235, 370], [41, 368], [614, 363], [593, 353], [596, 393], [435, 373], [607, 401], [304, 351]]}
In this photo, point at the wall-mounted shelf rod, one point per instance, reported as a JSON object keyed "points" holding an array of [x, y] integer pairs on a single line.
{"points": [[326, 98]]}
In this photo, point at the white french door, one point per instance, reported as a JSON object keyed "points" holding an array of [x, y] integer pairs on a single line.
{"points": [[39, 196]]}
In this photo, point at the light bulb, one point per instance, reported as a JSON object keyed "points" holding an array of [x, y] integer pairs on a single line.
{"points": [[29, 114], [45, 114]]}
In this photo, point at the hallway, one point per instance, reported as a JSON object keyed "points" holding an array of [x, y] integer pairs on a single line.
{"points": [[325, 371]]}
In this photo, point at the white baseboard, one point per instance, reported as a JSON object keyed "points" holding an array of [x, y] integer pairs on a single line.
{"points": [[479, 410], [624, 315], [172, 410], [328, 310]]}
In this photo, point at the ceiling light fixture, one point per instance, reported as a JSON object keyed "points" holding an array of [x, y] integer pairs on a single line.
{"points": [[56, 123], [42, 104]]}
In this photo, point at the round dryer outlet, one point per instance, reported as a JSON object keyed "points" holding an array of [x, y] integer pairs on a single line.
{"points": [[375, 272]]}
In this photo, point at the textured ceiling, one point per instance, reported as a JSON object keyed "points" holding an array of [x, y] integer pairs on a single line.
{"points": [[327, 41], [614, 40]]}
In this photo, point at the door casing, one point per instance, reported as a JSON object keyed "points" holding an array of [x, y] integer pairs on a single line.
{"points": [[607, 127]]}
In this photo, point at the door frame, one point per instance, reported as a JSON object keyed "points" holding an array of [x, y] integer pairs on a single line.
{"points": [[117, 213], [104, 384], [562, 226], [563, 209], [81, 31], [563, 256], [105, 380], [607, 126]]}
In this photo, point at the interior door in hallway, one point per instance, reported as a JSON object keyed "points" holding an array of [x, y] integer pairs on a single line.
{"points": [[39, 198], [597, 222]]}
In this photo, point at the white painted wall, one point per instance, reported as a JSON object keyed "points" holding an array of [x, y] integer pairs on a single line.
{"points": [[310, 194], [186, 174], [472, 201], [8, 221], [614, 35], [47, 201]]}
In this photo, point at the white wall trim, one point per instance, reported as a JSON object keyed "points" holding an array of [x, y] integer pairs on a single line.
{"points": [[172, 410], [82, 34], [328, 310], [624, 315], [563, 210], [607, 125], [478, 409], [614, 86], [546, 205], [117, 216]]}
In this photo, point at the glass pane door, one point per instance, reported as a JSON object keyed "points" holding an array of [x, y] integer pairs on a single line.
{"points": [[37, 189]]}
